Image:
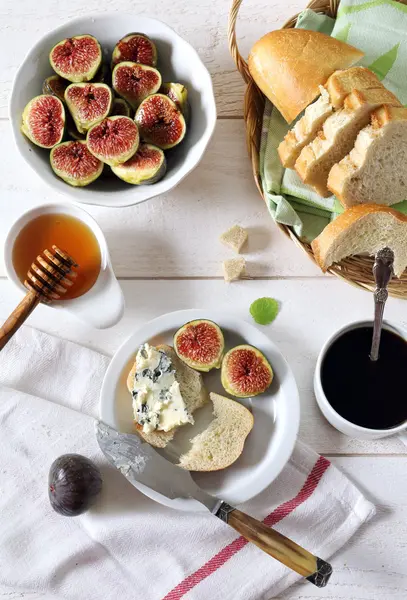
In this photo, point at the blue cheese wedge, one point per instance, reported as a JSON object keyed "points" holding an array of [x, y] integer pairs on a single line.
{"points": [[157, 400]]}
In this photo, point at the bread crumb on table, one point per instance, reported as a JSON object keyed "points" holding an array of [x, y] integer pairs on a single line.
{"points": [[233, 269], [234, 238]]}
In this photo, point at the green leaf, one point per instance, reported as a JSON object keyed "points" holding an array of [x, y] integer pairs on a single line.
{"points": [[264, 310], [343, 34], [382, 65]]}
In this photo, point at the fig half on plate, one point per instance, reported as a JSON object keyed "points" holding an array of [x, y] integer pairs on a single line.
{"points": [[77, 58], [246, 372], [200, 344], [146, 166]]}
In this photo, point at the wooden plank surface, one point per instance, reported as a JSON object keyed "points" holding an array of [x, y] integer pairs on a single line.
{"points": [[176, 234], [304, 322]]}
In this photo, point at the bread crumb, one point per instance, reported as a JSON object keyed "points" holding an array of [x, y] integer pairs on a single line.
{"points": [[234, 238], [233, 269]]}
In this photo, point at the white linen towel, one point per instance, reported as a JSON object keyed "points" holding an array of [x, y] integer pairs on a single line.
{"points": [[128, 546]]}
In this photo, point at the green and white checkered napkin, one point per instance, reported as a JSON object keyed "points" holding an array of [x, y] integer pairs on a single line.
{"points": [[379, 28]]}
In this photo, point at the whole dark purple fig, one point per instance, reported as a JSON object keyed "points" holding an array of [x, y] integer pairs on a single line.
{"points": [[74, 482]]}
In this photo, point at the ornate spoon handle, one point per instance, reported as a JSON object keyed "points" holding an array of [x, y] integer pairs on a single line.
{"points": [[382, 272]]}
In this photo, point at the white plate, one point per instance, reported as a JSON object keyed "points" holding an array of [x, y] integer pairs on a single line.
{"points": [[276, 413], [177, 61]]}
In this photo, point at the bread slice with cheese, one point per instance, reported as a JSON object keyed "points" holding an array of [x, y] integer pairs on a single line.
{"points": [[192, 390], [338, 135], [363, 229], [223, 440], [289, 65], [375, 170], [333, 94]]}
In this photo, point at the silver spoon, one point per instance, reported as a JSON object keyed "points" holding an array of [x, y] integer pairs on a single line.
{"points": [[382, 272]]}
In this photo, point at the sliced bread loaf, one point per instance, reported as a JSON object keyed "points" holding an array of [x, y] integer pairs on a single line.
{"points": [[339, 85], [222, 442], [374, 171], [338, 136], [363, 229], [192, 390]]}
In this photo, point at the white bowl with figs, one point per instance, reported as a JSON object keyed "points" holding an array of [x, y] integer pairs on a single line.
{"points": [[112, 110]]}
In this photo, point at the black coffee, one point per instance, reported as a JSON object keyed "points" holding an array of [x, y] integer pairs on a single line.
{"points": [[369, 394]]}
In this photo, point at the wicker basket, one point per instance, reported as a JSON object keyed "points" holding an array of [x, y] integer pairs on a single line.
{"points": [[356, 270]]}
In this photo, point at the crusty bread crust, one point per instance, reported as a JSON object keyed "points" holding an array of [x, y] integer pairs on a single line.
{"points": [[160, 439], [343, 82], [322, 244], [286, 65]]}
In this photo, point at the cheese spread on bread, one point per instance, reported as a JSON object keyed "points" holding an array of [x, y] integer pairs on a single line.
{"points": [[157, 400]]}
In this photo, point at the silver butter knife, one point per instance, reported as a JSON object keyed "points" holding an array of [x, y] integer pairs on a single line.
{"points": [[139, 462]]}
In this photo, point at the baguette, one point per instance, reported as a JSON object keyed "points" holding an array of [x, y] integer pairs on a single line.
{"points": [[192, 390], [363, 229], [223, 440], [339, 85], [373, 172], [338, 136], [286, 65]]}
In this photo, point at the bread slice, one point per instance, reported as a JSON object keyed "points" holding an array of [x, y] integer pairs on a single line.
{"points": [[339, 85], [222, 442], [374, 171], [235, 238], [338, 136], [192, 390], [363, 229], [289, 65]]}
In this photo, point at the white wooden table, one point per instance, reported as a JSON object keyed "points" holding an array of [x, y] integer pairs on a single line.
{"points": [[167, 257]]}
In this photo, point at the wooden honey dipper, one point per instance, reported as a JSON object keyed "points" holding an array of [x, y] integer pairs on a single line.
{"points": [[48, 278]]}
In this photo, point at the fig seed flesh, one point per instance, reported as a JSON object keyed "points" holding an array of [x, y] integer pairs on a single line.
{"points": [[114, 140], [44, 121], [73, 163]]}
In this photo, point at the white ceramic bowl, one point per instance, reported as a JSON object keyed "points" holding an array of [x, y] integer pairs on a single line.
{"points": [[177, 61], [276, 412]]}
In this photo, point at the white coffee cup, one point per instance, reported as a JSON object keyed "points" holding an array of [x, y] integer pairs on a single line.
{"points": [[334, 418], [103, 305]]}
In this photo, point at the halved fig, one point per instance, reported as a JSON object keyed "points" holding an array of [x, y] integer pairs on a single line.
{"points": [[120, 107], [44, 121], [77, 58], [178, 94], [160, 122], [55, 86], [88, 103], [147, 166], [135, 47], [114, 140], [134, 82], [200, 344], [73, 163], [246, 372]]}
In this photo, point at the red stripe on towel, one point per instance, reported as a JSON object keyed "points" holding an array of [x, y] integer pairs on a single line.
{"points": [[231, 549]]}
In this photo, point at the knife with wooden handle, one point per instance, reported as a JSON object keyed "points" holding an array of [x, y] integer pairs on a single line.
{"points": [[139, 462]]}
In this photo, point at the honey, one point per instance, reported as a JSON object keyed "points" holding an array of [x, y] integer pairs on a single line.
{"points": [[68, 233]]}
